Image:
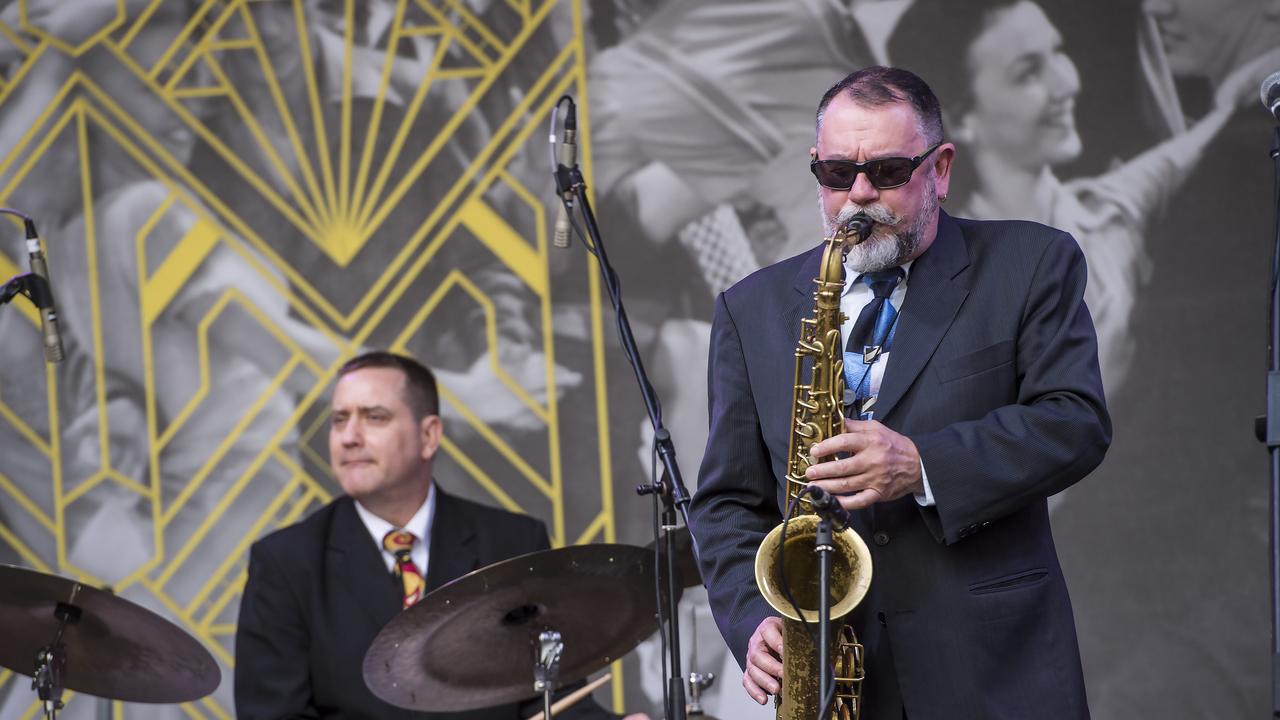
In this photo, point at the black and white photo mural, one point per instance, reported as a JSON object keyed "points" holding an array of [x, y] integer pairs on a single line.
{"points": [[237, 195]]}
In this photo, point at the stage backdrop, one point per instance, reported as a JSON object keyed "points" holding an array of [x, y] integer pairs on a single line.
{"points": [[237, 195]]}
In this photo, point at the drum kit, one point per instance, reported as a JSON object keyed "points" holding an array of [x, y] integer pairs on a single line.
{"points": [[504, 633]]}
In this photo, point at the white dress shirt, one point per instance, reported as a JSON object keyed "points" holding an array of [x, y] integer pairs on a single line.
{"points": [[856, 295], [419, 525]]}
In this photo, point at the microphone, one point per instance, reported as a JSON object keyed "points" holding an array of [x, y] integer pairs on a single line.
{"points": [[567, 157], [1271, 94], [826, 506], [44, 297]]}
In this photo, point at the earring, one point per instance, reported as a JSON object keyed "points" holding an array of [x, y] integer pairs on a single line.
{"points": [[942, 199]]}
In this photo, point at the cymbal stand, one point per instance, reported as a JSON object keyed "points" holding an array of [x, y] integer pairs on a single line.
{"points": [[546, 667], [697, 681], [51, 661]]}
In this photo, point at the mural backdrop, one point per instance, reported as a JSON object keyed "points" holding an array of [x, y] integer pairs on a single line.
{"points": [[237, 195]]}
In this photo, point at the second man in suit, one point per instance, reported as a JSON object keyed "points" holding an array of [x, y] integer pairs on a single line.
{"points": [[319, 592]]}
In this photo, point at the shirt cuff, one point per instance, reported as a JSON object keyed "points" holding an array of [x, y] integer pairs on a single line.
{"points": [[925, 499]]}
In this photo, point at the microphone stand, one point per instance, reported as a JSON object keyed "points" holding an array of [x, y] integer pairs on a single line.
{"points": [[824, 547], [1272, 436], [831, 516], [670, 487]]}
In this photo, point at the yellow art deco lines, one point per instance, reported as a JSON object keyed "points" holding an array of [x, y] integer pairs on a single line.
{"points": [[332, 152]]}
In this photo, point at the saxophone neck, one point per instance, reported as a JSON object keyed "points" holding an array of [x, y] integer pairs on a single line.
{"points": [[831, 271]]}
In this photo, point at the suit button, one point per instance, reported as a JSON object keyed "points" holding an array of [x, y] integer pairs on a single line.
{"points": [[881, 538], [880, 617]]}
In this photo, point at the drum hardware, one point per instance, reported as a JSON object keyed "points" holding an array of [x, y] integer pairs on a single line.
{"points": [[697, 683], [546, 666], [572, 698], [51, 660]]}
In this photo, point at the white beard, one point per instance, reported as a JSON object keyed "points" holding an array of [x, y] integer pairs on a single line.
{"points": [[884, 248]]}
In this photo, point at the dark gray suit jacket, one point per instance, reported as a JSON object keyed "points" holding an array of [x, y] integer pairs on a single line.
{"points": [[994, 376], [319, 592]]}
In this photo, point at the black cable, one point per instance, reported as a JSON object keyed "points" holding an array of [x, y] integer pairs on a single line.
{"points": [[829, 700], [12, 288], [657, 576], [613, 285], [793, 505], [551, 133]]}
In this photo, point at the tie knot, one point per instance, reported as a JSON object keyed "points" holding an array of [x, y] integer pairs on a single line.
{"points": [[882, 282], [398, 541]]}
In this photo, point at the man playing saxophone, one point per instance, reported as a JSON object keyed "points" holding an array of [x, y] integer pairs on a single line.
{"points": [[973, 394]]}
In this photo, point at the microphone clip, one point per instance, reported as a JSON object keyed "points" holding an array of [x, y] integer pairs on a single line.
{"points": [[825, 506], [33, 286], [566, 181]]}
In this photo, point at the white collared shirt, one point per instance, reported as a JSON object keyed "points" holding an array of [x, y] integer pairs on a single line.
{"points": [[419, 525], [856, 295]]}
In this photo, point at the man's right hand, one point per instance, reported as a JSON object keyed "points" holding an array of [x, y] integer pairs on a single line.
{"points": [[763, 676]]}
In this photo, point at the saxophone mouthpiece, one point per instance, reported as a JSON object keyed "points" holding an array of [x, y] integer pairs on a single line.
{"points": [[859, 228]]}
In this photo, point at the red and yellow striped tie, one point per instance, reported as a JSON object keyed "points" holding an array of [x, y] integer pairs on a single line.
{"points": [[400, 543]]}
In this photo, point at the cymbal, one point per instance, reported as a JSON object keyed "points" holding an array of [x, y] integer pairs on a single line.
{"points": [[686, 564], [468, 644], [116, 650]]}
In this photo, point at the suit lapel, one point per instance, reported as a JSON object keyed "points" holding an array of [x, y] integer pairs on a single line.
{"points": [[933, 297], [356, 566], [775, 396], [453, 551], [802, 303]]}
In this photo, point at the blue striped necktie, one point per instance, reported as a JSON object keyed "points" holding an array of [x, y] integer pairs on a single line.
{"points": [[871, 337]]}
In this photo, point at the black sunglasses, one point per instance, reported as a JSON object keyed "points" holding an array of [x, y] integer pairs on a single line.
{"points": [[884, 174]]}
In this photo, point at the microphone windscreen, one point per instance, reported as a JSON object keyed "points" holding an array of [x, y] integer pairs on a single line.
{"points": [[1271, 91]]}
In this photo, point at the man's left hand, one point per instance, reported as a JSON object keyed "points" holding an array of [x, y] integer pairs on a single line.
{"points": [[876, 465]]}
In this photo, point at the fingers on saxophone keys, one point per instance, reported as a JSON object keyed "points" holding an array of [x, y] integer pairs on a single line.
{"points": [[763, 681], [771, 632], [835, 468], [864, 498], [846, 443], [757, 694]]}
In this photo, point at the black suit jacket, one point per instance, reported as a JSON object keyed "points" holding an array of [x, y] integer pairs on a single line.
{"points": [[994, 376], [319, 592]]}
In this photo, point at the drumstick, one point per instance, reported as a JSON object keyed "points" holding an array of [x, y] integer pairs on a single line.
{"points": [[563, 703]]}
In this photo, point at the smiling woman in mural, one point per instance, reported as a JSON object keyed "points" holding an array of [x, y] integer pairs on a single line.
{"points": [[1011, 108]]}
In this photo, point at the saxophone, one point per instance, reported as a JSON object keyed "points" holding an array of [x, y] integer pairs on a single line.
{"points": [[817, 413]]}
